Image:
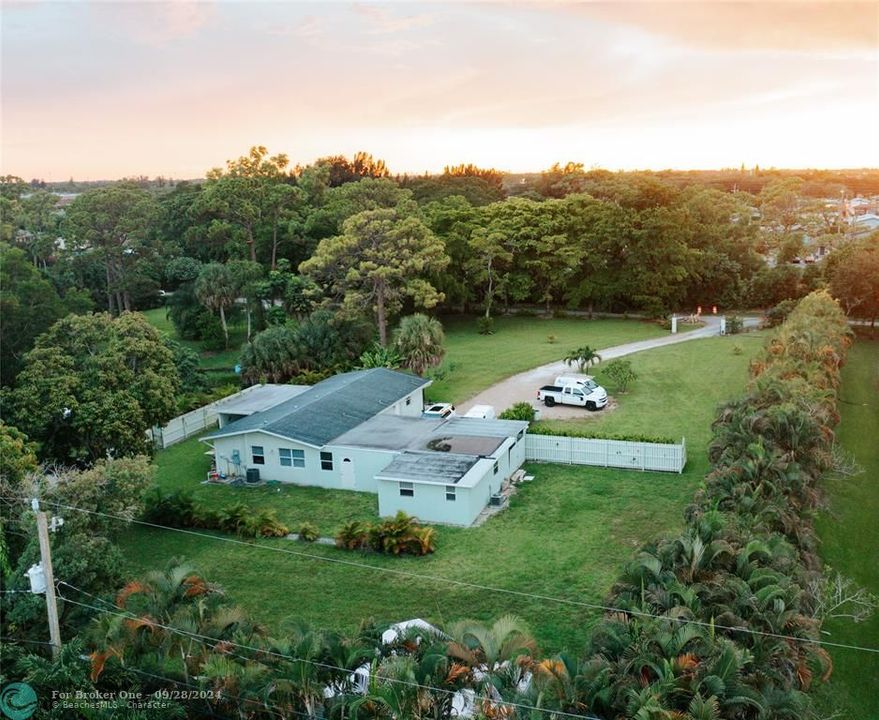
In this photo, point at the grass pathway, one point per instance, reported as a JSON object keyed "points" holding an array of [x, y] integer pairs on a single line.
{"points": [[849, 533]]}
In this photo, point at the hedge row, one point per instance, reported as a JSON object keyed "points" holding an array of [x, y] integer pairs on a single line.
{"points": [[719, 622]]}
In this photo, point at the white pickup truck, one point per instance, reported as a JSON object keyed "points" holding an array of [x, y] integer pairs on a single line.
{"points": [[574, 391]]}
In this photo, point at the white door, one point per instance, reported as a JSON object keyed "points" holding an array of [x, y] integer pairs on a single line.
{"points": [[347, 473]]}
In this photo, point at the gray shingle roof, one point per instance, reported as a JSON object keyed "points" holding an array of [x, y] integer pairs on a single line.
{"points": [[330, 408]]}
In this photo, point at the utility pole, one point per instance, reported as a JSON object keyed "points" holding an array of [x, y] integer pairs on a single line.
{"points": [[46, 562]]}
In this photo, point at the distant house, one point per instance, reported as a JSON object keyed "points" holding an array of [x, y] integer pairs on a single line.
{"points": [[865, 224], [364, 431]]}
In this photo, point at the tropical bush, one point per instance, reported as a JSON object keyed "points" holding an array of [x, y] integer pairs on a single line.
{"points": [[419, 341], [734, 325], [353, 535], [179, 509], [308, 532], [485, 326], [744, 569], [620, 373], [583, 357], [519, 411]]}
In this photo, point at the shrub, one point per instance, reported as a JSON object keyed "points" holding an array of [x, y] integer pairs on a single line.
{"points": [[180, 509], [308, 532], [353, 535], [620, 373], [539, 429], [485, 326], [777, 315], [519, 411], [734, 325], [401, 534], [210, 330], [176, 509]]}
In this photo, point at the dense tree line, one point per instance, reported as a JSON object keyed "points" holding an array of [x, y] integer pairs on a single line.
{"points": [[264, 243]]}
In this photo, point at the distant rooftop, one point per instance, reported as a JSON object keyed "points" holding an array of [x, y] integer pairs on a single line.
{"points": [[331, 408]]}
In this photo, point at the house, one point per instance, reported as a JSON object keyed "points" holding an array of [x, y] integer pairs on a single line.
{"points": [[364, 431], [865, 224]]}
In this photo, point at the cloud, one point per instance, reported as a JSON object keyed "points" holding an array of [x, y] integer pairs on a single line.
{"points": [[153, 23], [772, 25], [383, 22]]}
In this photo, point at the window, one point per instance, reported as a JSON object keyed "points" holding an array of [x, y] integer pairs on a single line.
{"points": [[326, 461], [408, 400], [495, 468], [450, 493], [259, 456], [407, 489], [291, 458]]}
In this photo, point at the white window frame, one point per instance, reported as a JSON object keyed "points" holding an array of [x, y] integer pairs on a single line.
{"points": [[293, 457], [261, 454], [451, 493], [407, 489], [326, 458]]}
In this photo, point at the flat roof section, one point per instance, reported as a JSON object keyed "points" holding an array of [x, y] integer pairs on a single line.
{"points": [[390, 432], [464, 445], [258, 398], [433, 467]]}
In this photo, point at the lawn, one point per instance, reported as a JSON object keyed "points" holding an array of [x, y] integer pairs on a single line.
{"points": [[849, 534], [676, 393], [474, 362], [212, 361], [565, 535]]}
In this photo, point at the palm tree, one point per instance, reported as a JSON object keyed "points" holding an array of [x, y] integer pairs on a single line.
{"points": [[216, 289], [583, 357], [419, 341]]}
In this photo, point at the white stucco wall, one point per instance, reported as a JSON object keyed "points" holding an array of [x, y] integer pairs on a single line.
{"points": [[472, 493], [364, 463], [410, 406]]}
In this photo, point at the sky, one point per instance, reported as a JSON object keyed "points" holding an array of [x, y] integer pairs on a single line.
{"points": [[100, 90]]}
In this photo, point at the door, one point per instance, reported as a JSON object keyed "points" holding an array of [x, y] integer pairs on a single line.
{"points": [[347, 473]]}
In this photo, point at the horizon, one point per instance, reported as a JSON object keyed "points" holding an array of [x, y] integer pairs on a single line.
{"points": [[151, 88]]}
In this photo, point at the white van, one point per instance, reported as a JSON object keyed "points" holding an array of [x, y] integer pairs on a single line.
{"points": [[483, 412]]}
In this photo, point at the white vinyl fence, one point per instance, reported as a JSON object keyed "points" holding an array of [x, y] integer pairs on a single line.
{"points": [[191, 423], [662, 457]]}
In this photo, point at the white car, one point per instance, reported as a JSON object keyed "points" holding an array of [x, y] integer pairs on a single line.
{"points": [[438, 410]]}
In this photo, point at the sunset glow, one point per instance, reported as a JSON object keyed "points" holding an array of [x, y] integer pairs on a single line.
{"points": [[102, 90]]}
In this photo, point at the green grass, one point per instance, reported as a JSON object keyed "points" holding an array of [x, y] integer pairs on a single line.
{"points": [[210, 360], [474, 362], [565, 535], [849, 533], [185, 465], [678, 390]]}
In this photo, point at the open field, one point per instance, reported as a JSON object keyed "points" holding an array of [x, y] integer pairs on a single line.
{"points": [[676, 394], [473, 362], [565, 535], [849, 534]]}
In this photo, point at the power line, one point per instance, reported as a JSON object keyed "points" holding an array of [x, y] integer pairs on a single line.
{"points": [[205, 639], [477, 586]]}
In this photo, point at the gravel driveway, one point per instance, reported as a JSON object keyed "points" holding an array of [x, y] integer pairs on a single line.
{"points": [[523, 387]]}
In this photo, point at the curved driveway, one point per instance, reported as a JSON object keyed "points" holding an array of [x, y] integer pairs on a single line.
{"points": [[523, 387]]}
